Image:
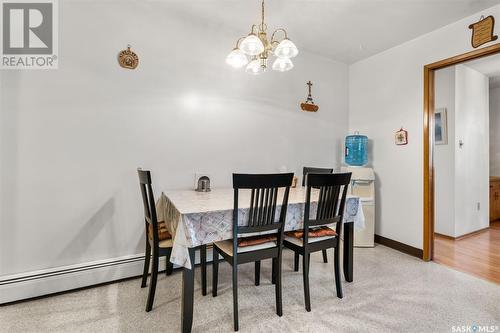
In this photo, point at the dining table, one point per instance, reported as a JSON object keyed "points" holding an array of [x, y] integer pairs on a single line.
{"points": [[202, 218]]}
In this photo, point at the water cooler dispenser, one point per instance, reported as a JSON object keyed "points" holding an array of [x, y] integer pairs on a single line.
{"points": [[362, 185]]}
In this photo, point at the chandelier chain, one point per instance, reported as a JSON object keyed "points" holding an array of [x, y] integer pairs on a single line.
{"points": [[262, 13]]}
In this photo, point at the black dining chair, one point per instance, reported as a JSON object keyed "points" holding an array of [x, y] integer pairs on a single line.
{"points": [[306, 171], [264, 215], [330, 209], [159, 246]]}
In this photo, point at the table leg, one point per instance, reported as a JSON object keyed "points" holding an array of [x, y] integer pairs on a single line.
{"points": [[188, 294], [203, 264], [348, 250]]}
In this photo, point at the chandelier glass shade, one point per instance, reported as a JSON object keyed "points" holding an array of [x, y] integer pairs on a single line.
{"points": [[236, 58], [286, 49], [259, 48], [282, 64], [252, 45]]}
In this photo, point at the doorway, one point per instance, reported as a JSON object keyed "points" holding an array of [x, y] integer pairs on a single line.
{"points": [[457, 222]]}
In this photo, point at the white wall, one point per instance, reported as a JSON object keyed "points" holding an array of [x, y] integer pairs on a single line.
{"points": [[385, 93], [444, 156], [495, 131], [462, 172], [72, 138], [472, 159]]}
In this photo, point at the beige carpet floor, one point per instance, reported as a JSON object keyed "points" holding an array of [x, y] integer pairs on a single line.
{"points": [[391, 292]]}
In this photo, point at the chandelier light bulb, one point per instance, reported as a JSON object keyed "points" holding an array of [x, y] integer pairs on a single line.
{"points": [[282, 64], [252, 45], [286, 49], [236, 58]]}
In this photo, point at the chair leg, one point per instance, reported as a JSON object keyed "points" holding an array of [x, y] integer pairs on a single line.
{"points": [[170, 267], [336, 266], [257, 273], [215, 271], [279, 300], [296, 262], [305, 274], [147, 259], [325, 257], [235, 296], [273, 273], [152, 285], [203, 261]]}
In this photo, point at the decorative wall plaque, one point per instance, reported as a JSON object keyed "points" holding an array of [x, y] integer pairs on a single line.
{"points": [[309, 105], [482, 31], [401, 137], [128, 59]]}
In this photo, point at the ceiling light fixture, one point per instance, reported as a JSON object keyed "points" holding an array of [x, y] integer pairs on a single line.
{"points": [[259, 48]]}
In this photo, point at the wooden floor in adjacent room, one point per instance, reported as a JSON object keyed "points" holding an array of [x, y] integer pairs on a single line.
{"points": [[477, 254]]}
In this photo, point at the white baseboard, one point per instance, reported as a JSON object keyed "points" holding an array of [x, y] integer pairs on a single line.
{"points": [[49, 281]]}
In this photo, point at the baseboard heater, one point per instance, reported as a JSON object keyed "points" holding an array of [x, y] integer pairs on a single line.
{"points": [[34, 284]]}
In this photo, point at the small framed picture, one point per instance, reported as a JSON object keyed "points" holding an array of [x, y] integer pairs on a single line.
{"points": [[440, 127], [401, 137]]}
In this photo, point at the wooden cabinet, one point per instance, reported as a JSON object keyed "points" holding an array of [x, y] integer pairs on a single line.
{"points": [[494, 198]]}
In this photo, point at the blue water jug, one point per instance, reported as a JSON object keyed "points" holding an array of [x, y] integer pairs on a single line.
{"points": [[356, 149]]}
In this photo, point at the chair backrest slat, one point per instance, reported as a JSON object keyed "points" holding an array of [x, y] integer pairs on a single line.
{"points": [[265, 216], [263, 200], [251, 209], [331, 199], [255, 208], [262, 208], [269, 201], [148, 201], [273, 206], [321, 199]]}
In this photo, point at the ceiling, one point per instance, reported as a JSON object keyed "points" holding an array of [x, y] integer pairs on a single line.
{"points": [[489, 66], [343, 30]]}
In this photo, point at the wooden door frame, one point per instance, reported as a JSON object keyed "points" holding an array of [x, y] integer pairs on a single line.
{"points": [[429, 95]]}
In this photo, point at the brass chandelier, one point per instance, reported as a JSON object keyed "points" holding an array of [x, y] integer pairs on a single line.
{"points": [[257, 46]]}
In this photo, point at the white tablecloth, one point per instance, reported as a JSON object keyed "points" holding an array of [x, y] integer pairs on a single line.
{"points": [[196, 218]]}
